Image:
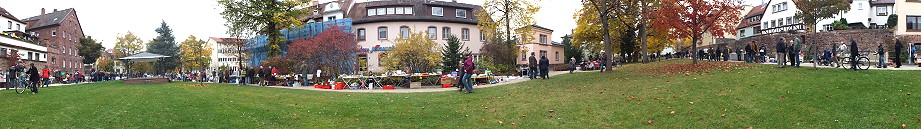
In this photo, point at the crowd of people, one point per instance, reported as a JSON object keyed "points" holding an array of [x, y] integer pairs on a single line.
{"points": [[21, 74]]}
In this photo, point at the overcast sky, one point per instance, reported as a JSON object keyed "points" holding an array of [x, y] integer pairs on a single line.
{"points": [[105, 19]]}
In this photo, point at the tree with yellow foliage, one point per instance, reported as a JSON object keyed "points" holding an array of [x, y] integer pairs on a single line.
{"points": [[416, 53], [195, 54]]}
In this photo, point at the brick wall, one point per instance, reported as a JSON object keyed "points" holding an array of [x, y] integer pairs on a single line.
{"points": [[867, 39]]}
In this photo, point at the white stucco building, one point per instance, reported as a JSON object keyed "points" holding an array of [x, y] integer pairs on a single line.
{"points": [[14, 38], [778, 16], [224, 55]]}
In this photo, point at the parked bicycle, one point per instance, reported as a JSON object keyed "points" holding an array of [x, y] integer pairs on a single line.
{"points": [[863, 62]]}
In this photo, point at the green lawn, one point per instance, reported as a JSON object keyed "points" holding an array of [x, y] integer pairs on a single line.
{"points": [[758, 96]]}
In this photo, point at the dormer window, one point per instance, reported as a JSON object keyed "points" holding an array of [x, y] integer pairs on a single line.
{"points": [[437, 11], [461, 13]]}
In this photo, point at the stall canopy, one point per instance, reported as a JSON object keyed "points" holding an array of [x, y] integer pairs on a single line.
{"points": [[143, 57]]}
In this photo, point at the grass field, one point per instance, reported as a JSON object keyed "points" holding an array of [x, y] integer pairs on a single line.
{"points": [[728, 96]]}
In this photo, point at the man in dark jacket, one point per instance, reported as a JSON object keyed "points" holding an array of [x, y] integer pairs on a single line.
{"points": [[532, 66], [748, 52], [781, 54], [898, 53], [854, 55], [544, 67], [34, 77], [881, 52], [250, 76]]}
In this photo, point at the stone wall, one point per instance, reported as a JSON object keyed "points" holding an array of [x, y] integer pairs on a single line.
{"points": [[867, 39]]}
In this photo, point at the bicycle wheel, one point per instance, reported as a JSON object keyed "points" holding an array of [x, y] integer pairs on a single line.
{"points": [[863, 63], [845, 62], [20, 88]]}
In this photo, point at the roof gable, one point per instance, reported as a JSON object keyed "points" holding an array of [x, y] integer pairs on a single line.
{"points": [[7, 14], [53, 18]]}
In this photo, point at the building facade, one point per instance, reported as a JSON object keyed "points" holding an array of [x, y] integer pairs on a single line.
{"points": [[377, 25], [541, 45], [14, 40], [61, 31], [224, 55], [751, 23], [328, 11]]}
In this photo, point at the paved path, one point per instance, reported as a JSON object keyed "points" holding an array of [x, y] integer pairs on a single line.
{"points": [[52, 85], [423, 89]]}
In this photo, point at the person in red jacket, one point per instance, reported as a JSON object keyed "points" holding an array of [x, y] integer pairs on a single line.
{"points": [[45, 74], [468, 69]]}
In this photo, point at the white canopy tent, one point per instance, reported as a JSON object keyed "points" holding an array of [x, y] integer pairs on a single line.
{"points": [[143, 57], [140, 57]]}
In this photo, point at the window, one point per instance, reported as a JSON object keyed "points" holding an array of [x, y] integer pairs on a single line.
{"points": [[461, 13], [780, 22], [437, 11], [445, 33], [408, 10], [741, 33], [881, 11], [37, 56], [790, 21], [543, 39], [404, 31], [382, 33], [465, 34], [543, 53], [391, 11], [372, 12], [331, 18], [827, 27], [400, 10], [54, 32], [482, 36], [773, 23], [361, 34], [381, 11], [53, 60], [30, 56], [17, 27], [913, 23], [859, 6], [433, 32], [766, 25], [556, 55]]}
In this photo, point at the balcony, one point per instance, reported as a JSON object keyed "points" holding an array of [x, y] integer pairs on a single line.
{"points": [[20, 40]]}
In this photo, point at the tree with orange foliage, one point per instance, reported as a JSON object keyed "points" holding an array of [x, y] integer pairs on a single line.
{"points": [[693, 18]]}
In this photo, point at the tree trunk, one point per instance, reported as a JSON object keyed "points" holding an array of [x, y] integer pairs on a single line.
{"points": [[694, 49], [508, 25], [608, 61], [643, 52]]}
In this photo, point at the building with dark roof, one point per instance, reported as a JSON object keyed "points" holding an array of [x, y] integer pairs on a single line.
{"points": [[377, 25], [60, 30], [14, 41], [751, 23]]}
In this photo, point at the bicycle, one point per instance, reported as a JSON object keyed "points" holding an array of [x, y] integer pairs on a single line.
{"points": [[22, 85], [863, 63]]}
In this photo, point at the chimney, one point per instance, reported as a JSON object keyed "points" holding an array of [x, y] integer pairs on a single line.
{"points": [[55, 10], [41, 17]]}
